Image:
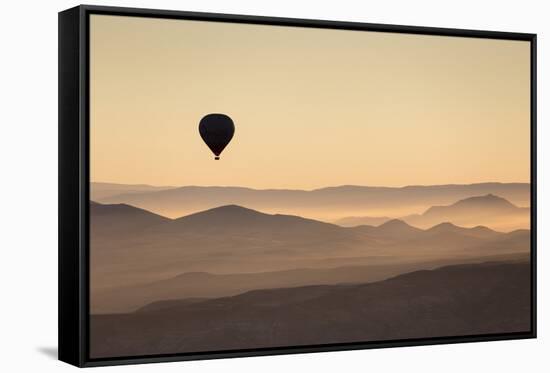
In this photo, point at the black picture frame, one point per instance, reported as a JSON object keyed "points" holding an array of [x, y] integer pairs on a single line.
{"points": [[74, 178]]}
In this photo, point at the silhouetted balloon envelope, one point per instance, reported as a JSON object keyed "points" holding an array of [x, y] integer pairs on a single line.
{"points": [[217, 131]]}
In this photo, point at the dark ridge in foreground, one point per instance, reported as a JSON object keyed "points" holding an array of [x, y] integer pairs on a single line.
{"points": [[467, 299]]}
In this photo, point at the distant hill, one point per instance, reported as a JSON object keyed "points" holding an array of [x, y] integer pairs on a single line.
{"points": [[105, 190], [108, 221], [224, 239], [447, 228], [399, 230], [394, 229], [489, 210], [236, 221], [326, 204], [488, 204], [469, 299], [199, 286]]}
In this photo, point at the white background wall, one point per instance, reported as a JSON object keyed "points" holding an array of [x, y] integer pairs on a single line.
{"points": [[28, 197]]}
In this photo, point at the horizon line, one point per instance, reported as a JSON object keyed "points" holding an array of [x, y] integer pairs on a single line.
{"points": [[310, 190]]}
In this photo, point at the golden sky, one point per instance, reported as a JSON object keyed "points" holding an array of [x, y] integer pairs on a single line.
{"points": [[311, 107]]}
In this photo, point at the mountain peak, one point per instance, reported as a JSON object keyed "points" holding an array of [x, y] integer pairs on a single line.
{"points": [[394, 223], [241, 221], [444, 227], [233, 208], [226, 211], [488, 202], [397, 227], [120, 209], [478, 231], [481, 228], [485, 200], [121, 217]]}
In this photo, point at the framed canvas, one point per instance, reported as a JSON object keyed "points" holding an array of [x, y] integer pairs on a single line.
{"points": [[237, 186]]}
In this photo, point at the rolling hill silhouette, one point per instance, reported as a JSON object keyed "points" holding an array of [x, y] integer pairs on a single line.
{"points": [[456, 300], [120, 219], [194, 286], [235, 221], [323, 204], [490, 203], [224, 239], [394, 229], [449, 228], [100, 190], [489, 210], [225, 276], [134, 249]]}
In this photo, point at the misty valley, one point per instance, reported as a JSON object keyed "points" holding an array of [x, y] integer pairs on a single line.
{"points": [[188, 269]]}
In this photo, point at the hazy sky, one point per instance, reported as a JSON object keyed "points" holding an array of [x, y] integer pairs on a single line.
{"points": [[311, 107]]}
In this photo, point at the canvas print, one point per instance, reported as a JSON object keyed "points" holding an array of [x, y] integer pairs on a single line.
{"points": [[258, 186]]}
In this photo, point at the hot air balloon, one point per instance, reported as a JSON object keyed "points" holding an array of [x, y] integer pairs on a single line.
{"points": [[216, 131]]}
